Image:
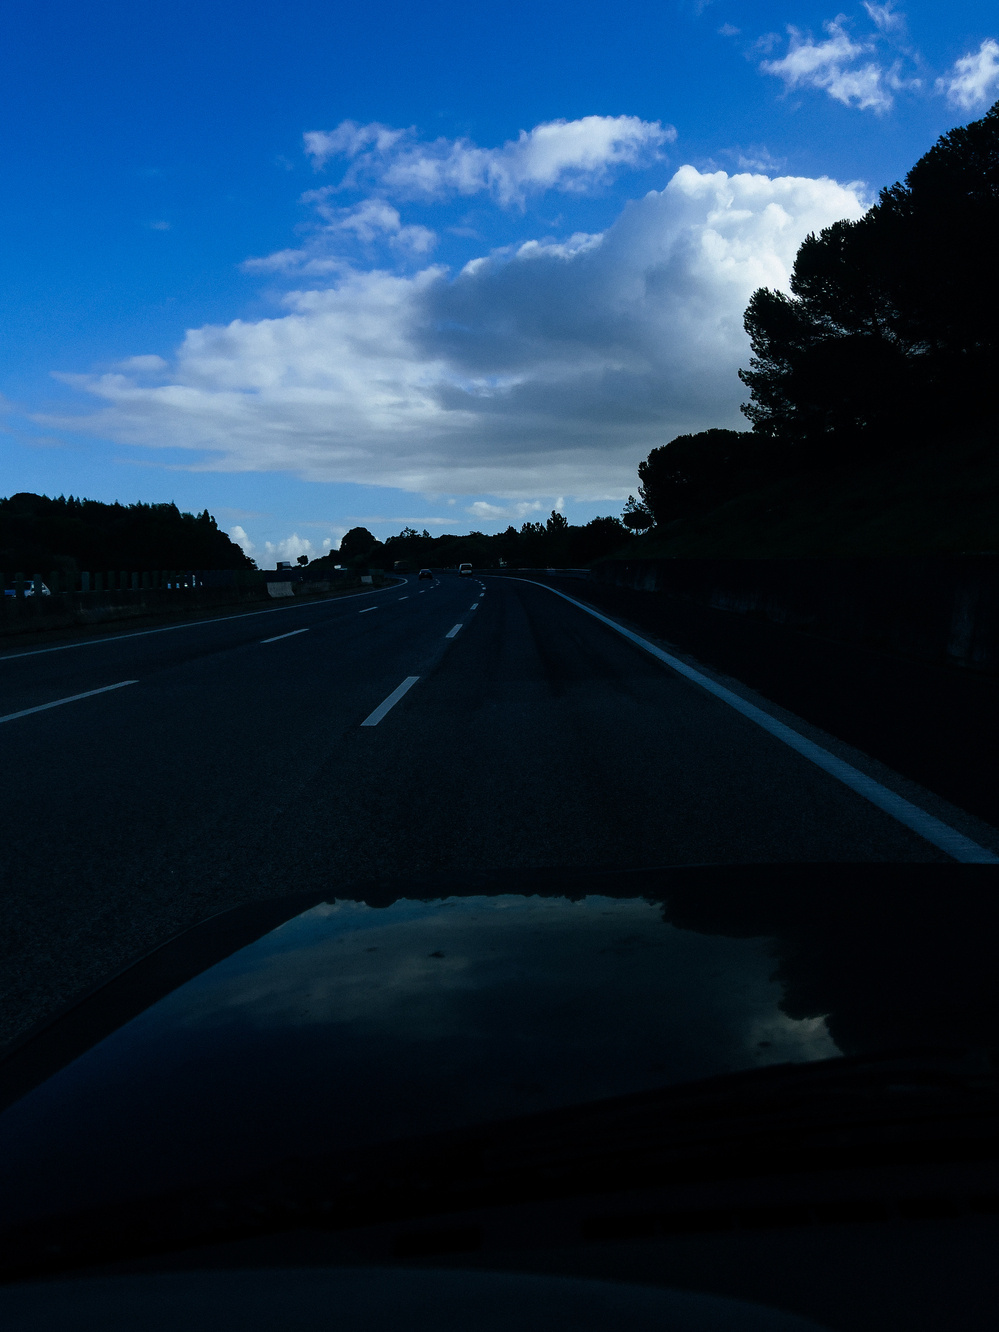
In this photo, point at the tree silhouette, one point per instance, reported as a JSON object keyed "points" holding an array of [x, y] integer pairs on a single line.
{"points": [[37, 532], [637, 516], [358, 543], [890, 334], [694, 472]]}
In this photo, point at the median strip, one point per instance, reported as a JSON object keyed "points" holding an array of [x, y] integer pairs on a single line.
{"points": [[453, 631], [931, 829], [277, 637], [73, 698], [393, 698]]}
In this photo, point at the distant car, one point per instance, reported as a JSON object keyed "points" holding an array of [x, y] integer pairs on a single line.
{"points": [[464, 569], [426, 573]]}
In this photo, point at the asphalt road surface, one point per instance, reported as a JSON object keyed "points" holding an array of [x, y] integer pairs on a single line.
{"points": [[475, 723]]}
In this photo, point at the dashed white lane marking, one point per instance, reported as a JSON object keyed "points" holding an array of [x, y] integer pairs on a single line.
{"points": [[405, 598], [43, 707], [932, 830], [391, 701], [188, 624], [366, 609], [453, 631], [277, 637], [474, 606]]}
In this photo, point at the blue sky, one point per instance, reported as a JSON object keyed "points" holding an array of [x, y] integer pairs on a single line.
{"points": [[313, 265]]}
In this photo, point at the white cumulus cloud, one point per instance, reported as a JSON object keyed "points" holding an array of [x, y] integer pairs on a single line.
{"points": [[572, 156], [309, 261], [525, 510], [288, 549], [368, 222], [145, 364], [974, 78], [293, 546], [886, 16], [242, 539], [542, 369], [374, 220], [350, 140], [834, 65]]}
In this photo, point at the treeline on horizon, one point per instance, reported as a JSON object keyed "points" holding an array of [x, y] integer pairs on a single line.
{"points": [[886, 345], [39, 535], [555, 543]]}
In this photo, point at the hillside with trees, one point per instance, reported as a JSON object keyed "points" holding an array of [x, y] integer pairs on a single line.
{"points": [[41, 534], [872, 386]]}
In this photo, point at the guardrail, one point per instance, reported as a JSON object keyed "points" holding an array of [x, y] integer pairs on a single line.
{"points": [[57, 600], [59, 581]]}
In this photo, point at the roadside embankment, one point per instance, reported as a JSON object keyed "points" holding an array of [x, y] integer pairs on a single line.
{"points": [[943, 610]]}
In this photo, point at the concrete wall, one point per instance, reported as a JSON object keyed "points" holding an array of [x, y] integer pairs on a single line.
{"points": [[942, 610]]}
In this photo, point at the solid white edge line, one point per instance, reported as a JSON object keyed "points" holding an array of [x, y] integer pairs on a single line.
{"points": [[375, 717], [193, 624], [453, 631], [932, 830], [291, 634], [43, 707]]}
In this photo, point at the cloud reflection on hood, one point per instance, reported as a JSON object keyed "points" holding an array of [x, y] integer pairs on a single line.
{"points": [[572, 976]]}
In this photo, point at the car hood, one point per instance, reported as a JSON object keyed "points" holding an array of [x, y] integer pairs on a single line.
{"points": [[391, 1012]]}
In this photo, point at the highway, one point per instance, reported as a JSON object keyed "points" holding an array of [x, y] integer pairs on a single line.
{"points": [[154, 778]]}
